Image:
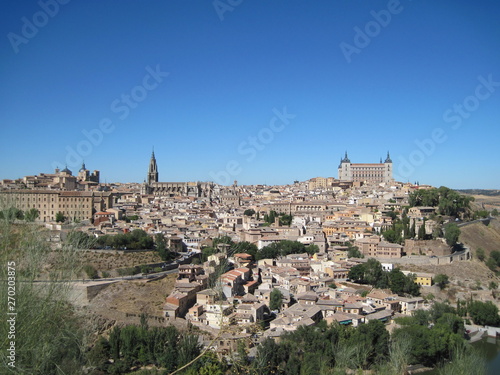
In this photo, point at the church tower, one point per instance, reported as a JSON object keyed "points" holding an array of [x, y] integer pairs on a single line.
{"points": [[153, 170]]}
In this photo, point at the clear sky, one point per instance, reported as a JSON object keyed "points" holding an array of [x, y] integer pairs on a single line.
{"points": [[257, 91]]}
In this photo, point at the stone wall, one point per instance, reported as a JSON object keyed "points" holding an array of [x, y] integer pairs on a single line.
{"points": [[427, 247]]}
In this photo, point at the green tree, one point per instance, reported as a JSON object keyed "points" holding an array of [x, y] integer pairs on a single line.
{"points": [[392, 236], [412, 230], [484, 313], [480, 254], [286, 220], [312, 249], [451, 233], [397, 280], [441, 280], [421, 231], [245, 247], [249, 212], [491, 264], [207, 251], [276, 299], [12, 213], [281, 248], [32, 214], [495, 254], [374, 338], [271, 217], [357, 273], [353, 252], [161, 247], [60, 217], [100, 354]]}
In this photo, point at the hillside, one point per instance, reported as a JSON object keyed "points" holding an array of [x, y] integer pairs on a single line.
{"points": [[480, 235]]}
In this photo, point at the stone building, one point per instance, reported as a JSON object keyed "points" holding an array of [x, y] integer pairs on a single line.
{"points": [[84, 175], [366, 172], [169, 189], [75, 205]]}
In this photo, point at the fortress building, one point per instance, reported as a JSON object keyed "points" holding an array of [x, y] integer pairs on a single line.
{"points": [[369, 173], [170, 189]]}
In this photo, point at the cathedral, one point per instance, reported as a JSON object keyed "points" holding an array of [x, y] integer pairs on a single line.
{"points": [[169, 189]]}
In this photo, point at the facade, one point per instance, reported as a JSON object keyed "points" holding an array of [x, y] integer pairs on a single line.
{"points": [[366, 172], [374, 247], [75, 205], [170, 189]]}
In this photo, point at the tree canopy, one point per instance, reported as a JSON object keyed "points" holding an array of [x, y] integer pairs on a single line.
{"points": [[284, 248], [135, 240], [448, 201], [372, 273]]}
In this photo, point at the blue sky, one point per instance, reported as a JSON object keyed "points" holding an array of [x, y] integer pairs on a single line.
{"points": [[256, 91]]}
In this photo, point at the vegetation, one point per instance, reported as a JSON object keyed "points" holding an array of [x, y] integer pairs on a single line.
{"points": [[402, 229], [131, 346], [80, 240], [430, 343], [90, 271], [161, 247], [284, 248], [372, 273], [284, 219], [275, 299], [316, 350], [128, 219], [13, 213], [249, 212], [441, 280], [449, 202], [338, 349], [353, 251], [451, 233], [484, 313], [480, 254], [234, 247], [32, 214], [60, 218], [49, 335], [134, 240]]}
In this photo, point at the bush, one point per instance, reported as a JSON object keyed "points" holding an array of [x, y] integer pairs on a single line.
{"points": [[90, 271]]}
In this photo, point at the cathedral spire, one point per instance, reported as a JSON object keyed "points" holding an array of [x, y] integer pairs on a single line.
{"points": [[153, 169]]}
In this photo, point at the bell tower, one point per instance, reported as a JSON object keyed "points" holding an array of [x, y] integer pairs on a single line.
{"points": [[153, 170]]}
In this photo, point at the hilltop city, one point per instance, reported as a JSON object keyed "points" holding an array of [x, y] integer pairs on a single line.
{"points": [[248, 263]]}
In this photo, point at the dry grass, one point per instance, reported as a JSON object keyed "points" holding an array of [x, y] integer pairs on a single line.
{"points": [[132, 297], [479, 235], [110, 261]]}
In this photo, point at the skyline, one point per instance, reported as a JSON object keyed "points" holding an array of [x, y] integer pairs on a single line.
{"points": [[272, 92]]}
